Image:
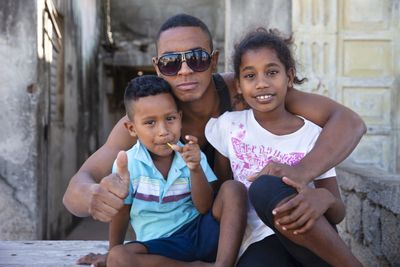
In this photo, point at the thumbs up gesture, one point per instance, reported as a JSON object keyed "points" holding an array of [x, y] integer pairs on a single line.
{"points": [[107, 197]]}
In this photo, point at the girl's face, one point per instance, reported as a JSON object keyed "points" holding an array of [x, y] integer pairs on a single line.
{"points": [[263, 80]]}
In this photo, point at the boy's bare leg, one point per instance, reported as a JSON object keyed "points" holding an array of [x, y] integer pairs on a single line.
{"points": [[135, 255], [230, 209], [324, 242]]}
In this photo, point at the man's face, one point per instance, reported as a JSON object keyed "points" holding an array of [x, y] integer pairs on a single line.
{"points": [[156, 122], [187, 84]]}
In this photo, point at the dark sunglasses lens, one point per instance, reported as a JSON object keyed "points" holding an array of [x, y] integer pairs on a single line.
{"points": [[198, 60], [169, 64]]}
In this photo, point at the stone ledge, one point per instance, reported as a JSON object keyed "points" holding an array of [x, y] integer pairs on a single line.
{"points": [[372, 225], [47, 253], [377, 185]]}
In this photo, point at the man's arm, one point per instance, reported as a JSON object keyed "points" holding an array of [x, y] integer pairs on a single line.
{"points": [[342, 131], [84, 195]]}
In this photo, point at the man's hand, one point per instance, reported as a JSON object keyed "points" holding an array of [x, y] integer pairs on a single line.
{"points": [[190, 152], [278, 169], [96, 260], [301, 212], [107, 198]]}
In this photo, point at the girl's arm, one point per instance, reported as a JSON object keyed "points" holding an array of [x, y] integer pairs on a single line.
{"points": [[342, 131]]}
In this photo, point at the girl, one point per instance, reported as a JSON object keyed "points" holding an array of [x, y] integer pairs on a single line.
{"points": [[267, 132]]}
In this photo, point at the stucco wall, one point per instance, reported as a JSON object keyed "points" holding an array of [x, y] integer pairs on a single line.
{"points": [[19, 118], [39, 151], [242, 16], [134, 25], [74, 138]]}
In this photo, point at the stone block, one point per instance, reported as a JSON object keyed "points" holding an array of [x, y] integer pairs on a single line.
{"points": [[366, 256], [390, 237], [371, 226], [387, 195], [354, 206]]}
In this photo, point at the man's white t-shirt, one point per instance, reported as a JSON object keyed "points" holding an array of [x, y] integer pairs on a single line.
{"points": [[249, 147]]}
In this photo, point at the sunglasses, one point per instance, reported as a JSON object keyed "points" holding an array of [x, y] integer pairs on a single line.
{"points": [[198, 60]]}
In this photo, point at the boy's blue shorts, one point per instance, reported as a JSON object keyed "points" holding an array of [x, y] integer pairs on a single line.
{"points": [[196, 240]]}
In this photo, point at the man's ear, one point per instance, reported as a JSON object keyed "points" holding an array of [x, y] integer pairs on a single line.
{"points": [[154, 62], [214, 60], [130, 126]]}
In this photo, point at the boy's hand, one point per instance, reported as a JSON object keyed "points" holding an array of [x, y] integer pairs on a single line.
{"points": [[96, 260], [301, 212], [190, 152], [107, 197]]}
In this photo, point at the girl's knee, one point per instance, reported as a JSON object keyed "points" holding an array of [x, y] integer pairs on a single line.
{"points": [[267, 191]]}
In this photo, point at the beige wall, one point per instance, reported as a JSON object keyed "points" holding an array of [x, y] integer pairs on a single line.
{"points": [[349, 50]]}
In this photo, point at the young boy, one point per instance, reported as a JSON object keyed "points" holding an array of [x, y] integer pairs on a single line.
{"points": [[170, 197]]}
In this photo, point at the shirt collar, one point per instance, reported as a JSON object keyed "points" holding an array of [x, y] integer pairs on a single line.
{"points": [[143, 155]]}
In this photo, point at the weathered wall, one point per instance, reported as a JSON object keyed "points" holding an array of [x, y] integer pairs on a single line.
{"points": [[371, 227], [350, 51], [242, 16], [48, 110], [19, 120], [138, 21], [134, 25], [73, 137]]}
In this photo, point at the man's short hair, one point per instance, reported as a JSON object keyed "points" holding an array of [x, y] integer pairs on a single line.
{"points": [[184, 20]]}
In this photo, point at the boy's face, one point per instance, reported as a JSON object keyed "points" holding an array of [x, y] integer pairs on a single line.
{"points": [[156, 122], [187, 84]]}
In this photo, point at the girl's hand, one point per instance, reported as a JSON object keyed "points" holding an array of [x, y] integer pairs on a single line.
{"points": [[190, 152], [301, 212]]}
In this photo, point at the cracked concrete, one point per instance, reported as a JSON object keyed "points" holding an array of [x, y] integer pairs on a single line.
{"points": [[16, 220]]}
